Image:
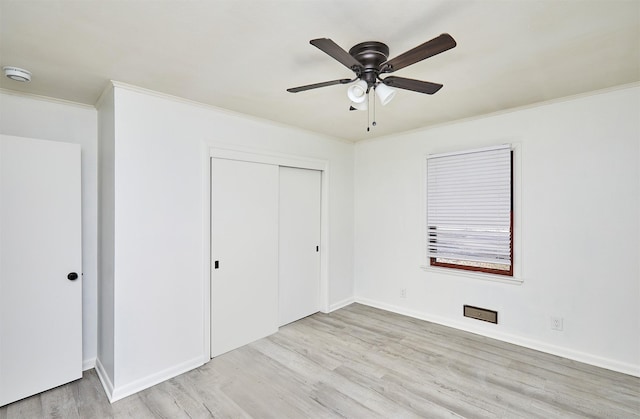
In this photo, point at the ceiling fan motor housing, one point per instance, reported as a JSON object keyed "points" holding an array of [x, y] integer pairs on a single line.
{"points": [[371, 55]]}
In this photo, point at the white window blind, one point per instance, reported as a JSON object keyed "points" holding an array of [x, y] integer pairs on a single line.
{"points": [[469, 205]]}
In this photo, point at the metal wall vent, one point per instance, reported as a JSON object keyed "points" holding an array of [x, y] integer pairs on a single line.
{"points": [[481, 314]]}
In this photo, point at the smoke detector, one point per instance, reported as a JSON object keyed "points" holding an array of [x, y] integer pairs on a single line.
{"points": [[17, 74]]}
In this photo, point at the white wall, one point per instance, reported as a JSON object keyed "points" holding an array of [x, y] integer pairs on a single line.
{"points": [[578, 221], [160, 227], [48, 119], [105, 364]]}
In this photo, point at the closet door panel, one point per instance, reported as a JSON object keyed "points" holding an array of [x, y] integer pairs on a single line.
{"points": [[244, 247], [299, 280]]}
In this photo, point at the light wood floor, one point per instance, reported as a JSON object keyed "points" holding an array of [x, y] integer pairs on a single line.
{"points": [[360, 362]]}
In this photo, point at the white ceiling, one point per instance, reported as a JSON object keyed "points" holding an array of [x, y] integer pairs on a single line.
{"points": [[242, 55]]}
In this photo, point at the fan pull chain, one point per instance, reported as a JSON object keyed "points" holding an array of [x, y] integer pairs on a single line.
{"points": [[373, 123], [374, 110], [368, 100]]}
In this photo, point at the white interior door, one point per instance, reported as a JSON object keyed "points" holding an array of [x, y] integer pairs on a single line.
{"points": [[40, 245], [299, 278], [244, 247]]}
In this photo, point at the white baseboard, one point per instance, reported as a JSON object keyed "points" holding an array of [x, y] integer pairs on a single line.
{"points": [[104, 379], [87, 364], [120, 392], [579, 356], [340, 304]]}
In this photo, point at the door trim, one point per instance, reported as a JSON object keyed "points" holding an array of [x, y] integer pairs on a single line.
{"points": [[266, 157]]}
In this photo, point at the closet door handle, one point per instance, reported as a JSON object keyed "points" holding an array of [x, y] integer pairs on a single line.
{"points": [[72, 276]]}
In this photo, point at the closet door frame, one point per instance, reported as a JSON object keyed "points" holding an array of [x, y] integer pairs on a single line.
{"points": [[278, 159]]}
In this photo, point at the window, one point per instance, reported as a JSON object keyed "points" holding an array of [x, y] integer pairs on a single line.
{"points": [[470, 210]]}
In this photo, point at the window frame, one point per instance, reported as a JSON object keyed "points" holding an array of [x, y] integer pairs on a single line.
{"points": [[514, 274]]}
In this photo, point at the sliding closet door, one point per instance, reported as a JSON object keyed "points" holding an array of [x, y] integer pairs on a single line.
{"points": [[299, 279], [244, 248], [40, 266]]}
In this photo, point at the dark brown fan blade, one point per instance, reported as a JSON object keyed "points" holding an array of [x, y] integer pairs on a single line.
{"points": [[316, 85], [334, 50], [428, 49], [411, 84]]}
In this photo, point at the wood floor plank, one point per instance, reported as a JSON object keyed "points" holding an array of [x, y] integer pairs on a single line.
{"points": [[170, 399], [60, 403], [536, 366], [585, 388], [204, 383], [393, 356], [315, 376], [90, 397], [290, 388], [31, 407], [361, 362], [258, 388], [132, 407]]}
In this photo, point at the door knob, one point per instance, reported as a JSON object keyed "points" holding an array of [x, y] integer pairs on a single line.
{"points": [[72, 276]]}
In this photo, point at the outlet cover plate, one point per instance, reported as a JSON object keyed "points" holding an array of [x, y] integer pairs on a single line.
{"points": [[557, 323]]}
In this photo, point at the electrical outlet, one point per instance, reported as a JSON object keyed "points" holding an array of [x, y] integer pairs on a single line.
{"points": [[403, 293], [556, 323]]}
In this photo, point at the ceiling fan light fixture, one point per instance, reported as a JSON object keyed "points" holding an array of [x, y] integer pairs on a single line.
{"points": [[357, 92], [385, 93]]}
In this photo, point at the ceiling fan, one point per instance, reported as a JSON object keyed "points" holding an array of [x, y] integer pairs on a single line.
{"points": [[369, 60]]}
